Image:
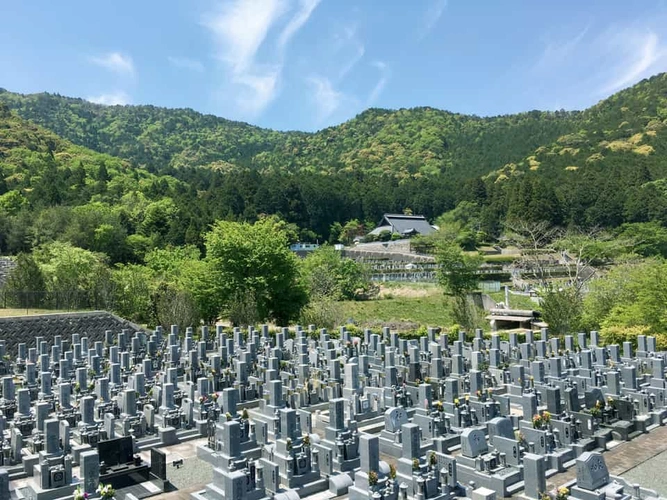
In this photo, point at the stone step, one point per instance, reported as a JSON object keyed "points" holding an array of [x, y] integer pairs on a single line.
{"points": [[569, 463], [515, 488]]}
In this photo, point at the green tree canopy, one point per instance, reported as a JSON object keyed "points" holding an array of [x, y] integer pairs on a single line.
{"points": [[329, 274], [253, 262]]}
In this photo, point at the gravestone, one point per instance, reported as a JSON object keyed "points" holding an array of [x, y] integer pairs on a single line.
{"points": [[159, 464], [592, 471], [473, 443], [394, 418], [534, 475], [90, 470]]}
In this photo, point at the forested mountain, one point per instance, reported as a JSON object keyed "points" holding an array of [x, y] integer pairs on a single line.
{"points": [[163, 176], [407, 142]]}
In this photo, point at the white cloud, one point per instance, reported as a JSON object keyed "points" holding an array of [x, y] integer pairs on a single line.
{"points": [[326, 98], [557, 52], [584, 64], [381, 83], [433, 15], [359, 52], [639, 55], [116, 62], [306, 8], [240, 28], [186, 63], [111, 99]]}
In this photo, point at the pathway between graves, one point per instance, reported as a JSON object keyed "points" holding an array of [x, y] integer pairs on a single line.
{"points": [[623, 457]]}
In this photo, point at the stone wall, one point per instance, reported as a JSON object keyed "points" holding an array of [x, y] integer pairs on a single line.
{"points": [[17, 329]]}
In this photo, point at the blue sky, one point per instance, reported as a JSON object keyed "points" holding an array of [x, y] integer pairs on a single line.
{"points": [[308, 64]]}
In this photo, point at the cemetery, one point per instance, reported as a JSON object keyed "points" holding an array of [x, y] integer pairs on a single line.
{"points": [[89, 404]]}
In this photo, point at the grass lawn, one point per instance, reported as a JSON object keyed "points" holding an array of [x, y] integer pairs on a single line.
{"points": [[516, 301], [428, 306]]}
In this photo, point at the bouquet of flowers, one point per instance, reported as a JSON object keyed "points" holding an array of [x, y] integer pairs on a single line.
{"points": [[106, 491], [79, 494]]}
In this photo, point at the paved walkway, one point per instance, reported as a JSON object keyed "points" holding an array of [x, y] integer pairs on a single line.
{"points": [[622, 458]]}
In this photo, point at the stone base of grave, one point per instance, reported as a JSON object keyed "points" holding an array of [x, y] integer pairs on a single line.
{"points": [[34, 492], [214, 492], [582, 446], [340, 483], [202, 427], [658, 417], [622, 430], [358, 494], [500, 483], [250, 450], [642, 423], [557, 459], [581, 494], [77, 450], [29, 462], [483, 494], [167, 435]]}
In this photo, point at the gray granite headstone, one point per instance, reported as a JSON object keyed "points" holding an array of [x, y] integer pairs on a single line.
{"points": [[394, 418], [369, 451], [534, 474], [592, 471], [90, 470], [411, 441], [473, 443]]}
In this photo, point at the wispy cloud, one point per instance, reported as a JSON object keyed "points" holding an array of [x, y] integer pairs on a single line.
{"points": [[325, 97], [557, 51], [186, 63], [239, 29], [111, 99], [639, 55], [306, 8], [585, 64], [116, 62], [381, 83], [348, 42], [433, 15]]}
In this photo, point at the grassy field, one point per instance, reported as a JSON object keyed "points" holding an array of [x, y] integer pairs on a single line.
{"points": [[516, 301], [401, 304], [408, 305]]}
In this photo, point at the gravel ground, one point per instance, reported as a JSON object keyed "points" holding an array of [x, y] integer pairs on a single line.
{"points": [[193, 472], [650, 474]]}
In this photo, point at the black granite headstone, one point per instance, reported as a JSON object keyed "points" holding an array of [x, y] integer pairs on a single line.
{"points": [[159, 464]]}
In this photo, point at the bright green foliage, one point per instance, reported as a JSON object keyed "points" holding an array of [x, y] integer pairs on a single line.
{"points": [[647, 239], [75, 278], [134, 288], [457, 270], [561, 309], [631, 295], [252, 263], [649, 296], [457, 274], [329, 274]]}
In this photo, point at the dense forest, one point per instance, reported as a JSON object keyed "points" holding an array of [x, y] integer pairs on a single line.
{"points": [[125, 179]]}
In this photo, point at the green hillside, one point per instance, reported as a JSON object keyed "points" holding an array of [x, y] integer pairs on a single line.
{"points": [[601, 167], [407, 142]]}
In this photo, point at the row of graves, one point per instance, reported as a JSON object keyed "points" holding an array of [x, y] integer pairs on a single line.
{"points": [[478, 419], [297, 412]]}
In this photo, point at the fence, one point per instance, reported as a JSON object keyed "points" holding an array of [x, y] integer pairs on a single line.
{"points": [[64, 300]]}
